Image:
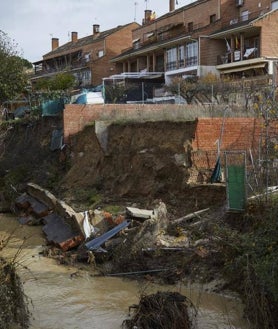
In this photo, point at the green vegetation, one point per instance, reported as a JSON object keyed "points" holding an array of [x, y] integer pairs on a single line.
{"points": [[13, 79], [187, 88], [13, 302], [248, 245], [59, 82], [115, 93], [11, 181]]}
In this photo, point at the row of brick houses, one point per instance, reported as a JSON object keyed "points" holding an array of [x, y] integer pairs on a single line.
{"points": [[235, 38], [87, 58]]}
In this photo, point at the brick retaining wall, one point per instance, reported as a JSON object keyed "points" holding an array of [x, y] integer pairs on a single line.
{"points": [[238, 133]]}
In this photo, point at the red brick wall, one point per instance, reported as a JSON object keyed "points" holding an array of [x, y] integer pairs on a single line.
{"points": [[269, 44], [76, 117], [238, 134]]}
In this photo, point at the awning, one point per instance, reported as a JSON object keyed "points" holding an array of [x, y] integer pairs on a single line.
{"points": [[243, 68]]}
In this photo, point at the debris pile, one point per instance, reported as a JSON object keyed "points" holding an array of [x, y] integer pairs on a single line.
{"points": [[161, 310], [61, 223], [137, 242]]}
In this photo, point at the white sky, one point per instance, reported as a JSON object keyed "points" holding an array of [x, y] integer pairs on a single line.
{"points": [[32, 23]]}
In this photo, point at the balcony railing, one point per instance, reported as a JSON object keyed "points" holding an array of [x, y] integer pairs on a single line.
{"points": [[188, 62], [62, 68], [236, 56]]}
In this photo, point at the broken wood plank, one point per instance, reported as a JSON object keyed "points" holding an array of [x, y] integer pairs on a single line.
{"points": [[139, 213], [190, 216], [200, 222]]}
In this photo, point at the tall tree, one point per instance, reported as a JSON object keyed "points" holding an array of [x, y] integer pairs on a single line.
{"points": [[12, 74]]}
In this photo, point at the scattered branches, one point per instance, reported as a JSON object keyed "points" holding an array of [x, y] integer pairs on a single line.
{"points": [[161, 310]]}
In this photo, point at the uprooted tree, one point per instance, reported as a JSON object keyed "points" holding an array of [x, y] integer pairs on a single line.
{"points": [[13, 78]]}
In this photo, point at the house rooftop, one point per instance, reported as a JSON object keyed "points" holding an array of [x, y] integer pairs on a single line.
{"points": [[79, 43]]}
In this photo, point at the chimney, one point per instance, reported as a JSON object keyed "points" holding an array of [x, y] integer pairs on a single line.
{"points": [[148, 14], [171, 5], [54, 43], [95, 29], [74, 36]]}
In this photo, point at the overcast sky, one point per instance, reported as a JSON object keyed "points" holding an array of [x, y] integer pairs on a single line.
{"points": [[32, 23]]}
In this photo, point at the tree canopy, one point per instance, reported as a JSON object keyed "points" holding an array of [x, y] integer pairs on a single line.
{"points": [[61, 81], [13, 78]]}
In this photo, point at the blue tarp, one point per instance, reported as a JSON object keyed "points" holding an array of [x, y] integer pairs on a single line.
{"points": [[57, 139], [97, 242], [20, 111], [216, 174], [52, 107], [82, 99]]}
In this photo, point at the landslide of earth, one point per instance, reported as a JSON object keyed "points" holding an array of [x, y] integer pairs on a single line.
{"points": [[138, 164]]}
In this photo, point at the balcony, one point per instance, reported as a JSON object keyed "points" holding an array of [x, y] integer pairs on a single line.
{"points": [[242, 19], [51, 70], [185, 63], [166, 33]]}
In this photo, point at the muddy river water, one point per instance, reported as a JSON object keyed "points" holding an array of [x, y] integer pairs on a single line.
{"points": [[61, 300]]}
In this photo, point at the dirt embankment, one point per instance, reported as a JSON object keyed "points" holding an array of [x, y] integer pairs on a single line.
{"points": [[141, 162]]}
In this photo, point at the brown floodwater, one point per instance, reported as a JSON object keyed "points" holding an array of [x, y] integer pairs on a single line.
{"points": [[61, 300]]}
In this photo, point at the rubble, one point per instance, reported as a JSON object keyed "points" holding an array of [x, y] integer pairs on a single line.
{"points": [[60, 233], [137, 242], [61, 224]]}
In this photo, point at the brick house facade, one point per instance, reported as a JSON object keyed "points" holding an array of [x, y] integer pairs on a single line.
{"points": [[87, 58], [224, 37]]}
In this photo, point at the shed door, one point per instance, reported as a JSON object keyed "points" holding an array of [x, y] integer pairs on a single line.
{"points": [[236, 187]]}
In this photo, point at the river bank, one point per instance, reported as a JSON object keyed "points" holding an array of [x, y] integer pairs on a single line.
{"points": [[231, 248], [99, 302]]}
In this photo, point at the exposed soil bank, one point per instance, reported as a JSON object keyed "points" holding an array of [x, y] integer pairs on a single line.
{"points": [[139, 164]]}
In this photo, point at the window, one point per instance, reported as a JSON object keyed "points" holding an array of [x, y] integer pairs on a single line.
{"points": [[190, 26], [212, 18], [172, 59], [191, 50], [100, 53], [181, 53], [136, 43], [87, 57], [244, 15]]}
